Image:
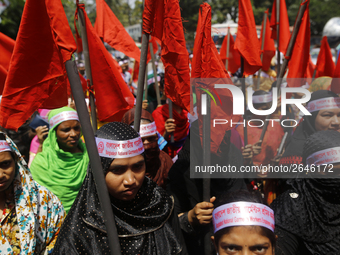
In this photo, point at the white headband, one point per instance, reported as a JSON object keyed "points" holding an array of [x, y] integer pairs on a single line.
{"points": [[323, 104], [4, 146], [243, 214], [327, 156], [152, 80], [262, 99], [119, 149], [147, 129], [63, 116]]}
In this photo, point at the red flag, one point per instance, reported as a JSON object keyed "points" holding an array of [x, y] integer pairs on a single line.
{"points": [[162, 19], [79, 42], [37, 76], [234, 62], [154, 46], [113, 97], [111, 31], [206, 63], [300, 55], [335, 85], [247, 42], [325, 65], [284, 26], [269, 46], [310, 71], [6, 49]]}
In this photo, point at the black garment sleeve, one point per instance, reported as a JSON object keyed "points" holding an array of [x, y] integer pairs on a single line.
{"points": [[174, 222], [287, 243]]}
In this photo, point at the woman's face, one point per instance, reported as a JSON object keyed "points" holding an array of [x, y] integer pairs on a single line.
{"points": [[68, 135], [125, 177], [328, 120], [244, 240], [7, 170]]}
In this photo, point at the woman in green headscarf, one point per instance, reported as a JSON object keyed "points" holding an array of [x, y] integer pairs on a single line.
{"points": [[61, 166]]}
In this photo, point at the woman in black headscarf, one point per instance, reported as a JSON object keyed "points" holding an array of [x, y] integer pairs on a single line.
{"points": [[326, 118], [307, 217], [144, 213]]}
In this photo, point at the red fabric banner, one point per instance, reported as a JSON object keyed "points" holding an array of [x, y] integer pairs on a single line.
{"points": [[6, 49], [162, 19], [113, 97], [300, 55], [325, 65], [335, 85], [284, 26], [234, 62], [269, 46], [247, 42], [206, 63], [37, 76], [111, 31]]}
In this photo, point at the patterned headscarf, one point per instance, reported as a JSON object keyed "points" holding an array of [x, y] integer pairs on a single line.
{"points": [[39, 212]]}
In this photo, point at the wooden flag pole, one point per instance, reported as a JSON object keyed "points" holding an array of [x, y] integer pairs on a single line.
{"points": [[171, 116], [146, 83], [278, 35], [245, 139], [88, 68], [155, 74], [262, 47], [97, 170], [141, 78], [228, 50], [206, 162], [292, 42]]}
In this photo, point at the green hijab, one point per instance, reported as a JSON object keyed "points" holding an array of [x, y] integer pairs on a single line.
{"points": [[59, 171]]}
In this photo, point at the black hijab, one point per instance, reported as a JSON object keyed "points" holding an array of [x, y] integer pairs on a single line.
{"points": [[294, 148], [142, 223], [311, 208]]}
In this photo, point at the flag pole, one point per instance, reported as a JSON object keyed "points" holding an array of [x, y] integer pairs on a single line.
{"points": [[278, 35], [171, 116], [97, 170], [262, 47], [292, 42], [141, 78], [86, 55], [206, 162], [245, 139], [146, 83], [155, 74], [228, 49]]}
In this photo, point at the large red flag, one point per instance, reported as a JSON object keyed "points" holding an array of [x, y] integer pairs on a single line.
{"points": [[247, 42], [206, 63], [234, 62], [6, 49], [269, 46], [335, 85], [284, 26], [37, 76], [111, 31], [113, 97], [162, 19], [300, 55], [325, 65]]}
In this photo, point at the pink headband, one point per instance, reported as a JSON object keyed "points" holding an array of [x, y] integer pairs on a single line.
{"points": [[261, 99], [323, 104], [327, 156], [147, 129], [119, 149], [63, 116], [243, 214], [4, 146]]}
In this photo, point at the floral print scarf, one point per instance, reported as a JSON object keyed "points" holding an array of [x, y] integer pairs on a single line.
{"points": [[39, 212]]}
